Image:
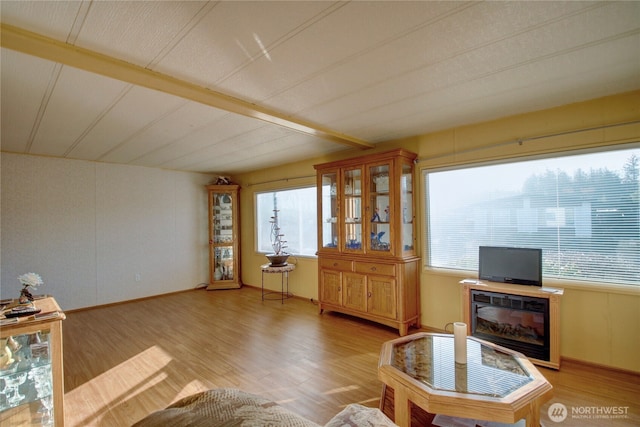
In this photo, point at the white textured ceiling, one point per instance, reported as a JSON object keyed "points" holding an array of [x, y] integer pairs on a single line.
{"points": [[302, 78]]}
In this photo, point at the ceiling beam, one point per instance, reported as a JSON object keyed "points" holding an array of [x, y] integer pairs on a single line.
{"points": [[34, 44]]}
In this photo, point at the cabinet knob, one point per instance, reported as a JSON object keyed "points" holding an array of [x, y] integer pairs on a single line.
{"points": [[369, 294], [335, 264], [373, 269]]}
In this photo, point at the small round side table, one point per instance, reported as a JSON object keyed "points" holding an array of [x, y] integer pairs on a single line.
{"points": [[284, 272]]}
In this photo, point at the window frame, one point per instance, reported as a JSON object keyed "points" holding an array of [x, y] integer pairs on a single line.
{"points": [[257, 220], [589, 282]]}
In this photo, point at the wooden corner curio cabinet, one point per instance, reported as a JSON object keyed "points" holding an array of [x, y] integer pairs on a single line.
{"points": [[224, 237], [367, 262]]}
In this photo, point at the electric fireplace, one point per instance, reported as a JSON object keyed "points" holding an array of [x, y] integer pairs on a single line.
{"points": [[517, 322]]}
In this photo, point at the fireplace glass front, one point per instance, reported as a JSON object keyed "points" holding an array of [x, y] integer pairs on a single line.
{"points": [[520, 323]]}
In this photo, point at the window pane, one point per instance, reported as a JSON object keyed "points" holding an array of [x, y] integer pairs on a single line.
{"points": [[297, 218], [582, 210]]}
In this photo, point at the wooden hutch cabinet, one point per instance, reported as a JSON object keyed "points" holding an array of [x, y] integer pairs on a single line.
{"points": [[366, 258], [224, 237]]}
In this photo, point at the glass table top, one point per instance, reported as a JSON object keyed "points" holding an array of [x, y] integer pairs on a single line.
{"points": [[488, 371]]}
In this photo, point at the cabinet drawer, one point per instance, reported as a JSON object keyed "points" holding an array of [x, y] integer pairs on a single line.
{"points": [[337, 264], [373, 268]]}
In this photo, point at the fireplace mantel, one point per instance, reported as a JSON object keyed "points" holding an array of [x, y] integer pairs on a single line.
{"points": [[552, 294]]}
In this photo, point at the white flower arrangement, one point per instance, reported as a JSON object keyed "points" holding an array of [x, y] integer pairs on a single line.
{"points": [[30, 279]]}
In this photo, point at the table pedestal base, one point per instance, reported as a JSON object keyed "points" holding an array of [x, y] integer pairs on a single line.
{"points": [[284, 273], [419, 417]]}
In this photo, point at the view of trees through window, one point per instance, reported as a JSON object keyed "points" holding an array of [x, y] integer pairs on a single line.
{"points": [[582, 210], [297, 218]]}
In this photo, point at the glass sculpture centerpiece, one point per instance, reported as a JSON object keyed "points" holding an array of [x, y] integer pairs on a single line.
{"points": [[279, 256]]}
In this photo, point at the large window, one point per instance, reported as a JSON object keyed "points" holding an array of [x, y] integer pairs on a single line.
{"points": [[582, 210], [297, 218]]}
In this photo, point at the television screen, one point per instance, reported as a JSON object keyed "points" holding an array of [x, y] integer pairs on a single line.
{"points": [[510, 265]]}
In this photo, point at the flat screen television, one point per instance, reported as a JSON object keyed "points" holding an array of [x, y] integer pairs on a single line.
{"points": [[510, 265]]}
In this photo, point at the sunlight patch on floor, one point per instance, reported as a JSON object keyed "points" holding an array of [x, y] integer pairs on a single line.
{"points": [[342, 389], [142, 384]]}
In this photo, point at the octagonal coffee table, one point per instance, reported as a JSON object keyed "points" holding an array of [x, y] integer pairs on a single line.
{"points": [[496, 384]]}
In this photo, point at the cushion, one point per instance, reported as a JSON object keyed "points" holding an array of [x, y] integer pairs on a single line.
{"points": [[224, 407], [356, 415]]}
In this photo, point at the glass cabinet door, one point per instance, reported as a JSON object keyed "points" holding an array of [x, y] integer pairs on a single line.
{"points": [[352, 190], [223, 236], [26, 380], [406, 203], [224, 263], [224, 244], [380, 231], [329, 206], [223, 218]]}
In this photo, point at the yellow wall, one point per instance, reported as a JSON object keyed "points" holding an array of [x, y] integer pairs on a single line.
{"points": [[599, 324]]}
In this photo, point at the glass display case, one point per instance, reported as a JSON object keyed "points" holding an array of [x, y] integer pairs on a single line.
{"points": [[366, 206], [224, 237], [31, 381], [367, 262]]}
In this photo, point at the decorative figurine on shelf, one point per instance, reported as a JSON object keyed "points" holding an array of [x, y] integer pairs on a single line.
{"points": [[375, 240], [6, 357], [28, 280], [376, 216], [279, 256], [223, 180]]}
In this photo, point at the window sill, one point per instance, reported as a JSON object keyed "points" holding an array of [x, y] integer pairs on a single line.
{"points": [[609, 288]]}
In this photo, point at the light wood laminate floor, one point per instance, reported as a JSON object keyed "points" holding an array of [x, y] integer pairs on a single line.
{"points": [[123, 361]]}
